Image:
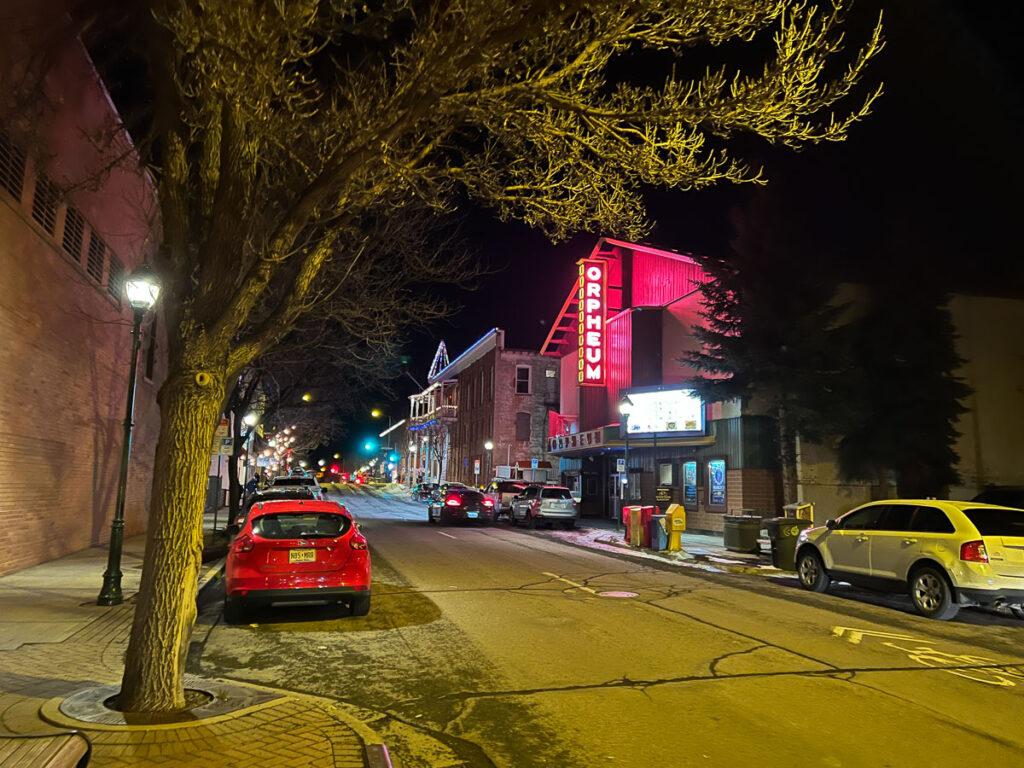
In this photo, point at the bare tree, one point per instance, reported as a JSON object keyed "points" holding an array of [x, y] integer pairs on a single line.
{"points": [[285, 137]]}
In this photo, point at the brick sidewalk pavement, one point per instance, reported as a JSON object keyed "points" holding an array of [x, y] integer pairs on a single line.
{"points": [[283, 730]]}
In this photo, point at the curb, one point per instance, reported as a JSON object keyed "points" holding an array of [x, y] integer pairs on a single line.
{"points": [[213, 573]]}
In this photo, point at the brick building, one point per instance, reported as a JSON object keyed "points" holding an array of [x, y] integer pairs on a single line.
{"points": [[487, 393], [72, 225]]}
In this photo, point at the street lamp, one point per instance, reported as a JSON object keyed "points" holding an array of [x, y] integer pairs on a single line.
{"points": [[625, 408], [250, 419], [143, 289], [488, 446]]}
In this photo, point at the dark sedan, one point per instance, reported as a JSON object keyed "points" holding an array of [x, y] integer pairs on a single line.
{"points": [[461, 504]]}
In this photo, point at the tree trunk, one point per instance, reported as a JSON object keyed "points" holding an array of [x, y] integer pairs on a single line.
{"points": [[165, 608], [787, 454]]}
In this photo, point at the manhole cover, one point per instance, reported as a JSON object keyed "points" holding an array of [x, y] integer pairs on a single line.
{"points": [[617, 594]]}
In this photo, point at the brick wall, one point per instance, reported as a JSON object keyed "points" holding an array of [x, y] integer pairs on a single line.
{"points": [[64, 348]]}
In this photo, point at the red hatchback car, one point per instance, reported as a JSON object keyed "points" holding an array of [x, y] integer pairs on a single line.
{"points": [[295, 551]]}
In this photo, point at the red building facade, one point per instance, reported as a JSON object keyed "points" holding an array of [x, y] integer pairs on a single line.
{"points": [[623, 341]]}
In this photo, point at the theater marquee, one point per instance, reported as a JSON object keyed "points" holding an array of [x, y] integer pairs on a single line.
{"points": [[593, 305]]}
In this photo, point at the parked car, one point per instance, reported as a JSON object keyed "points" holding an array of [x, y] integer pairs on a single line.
{"points": [[460, 504], [441, 489], [1002, 496], [298, 481], [944, 553], [291, 551], [545, 504], [501, 492], [423, 491]]}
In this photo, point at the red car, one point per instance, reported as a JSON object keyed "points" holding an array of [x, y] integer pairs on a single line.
{"points": [[293, 551]]}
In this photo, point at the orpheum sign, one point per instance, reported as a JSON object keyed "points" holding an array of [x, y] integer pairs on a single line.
{"points": [[592, 310]]}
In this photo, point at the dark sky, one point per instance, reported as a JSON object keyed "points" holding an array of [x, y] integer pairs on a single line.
{"points": [[931, 178]]}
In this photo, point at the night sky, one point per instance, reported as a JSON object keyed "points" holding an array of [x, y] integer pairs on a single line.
{"points": [[928, 181]]}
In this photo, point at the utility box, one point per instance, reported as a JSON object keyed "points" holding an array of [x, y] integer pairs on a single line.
{"points": [[676, 523], [659, 532]]}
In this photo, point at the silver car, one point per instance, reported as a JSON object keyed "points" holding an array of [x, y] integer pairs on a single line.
{"points": [[545, 504]]}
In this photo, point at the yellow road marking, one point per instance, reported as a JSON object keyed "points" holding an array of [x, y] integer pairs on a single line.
{"points": [[556, 577]]}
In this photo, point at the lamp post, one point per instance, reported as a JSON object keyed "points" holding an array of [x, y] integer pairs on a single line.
{"points": [[625, 408], [143, 289], [488, 446]]}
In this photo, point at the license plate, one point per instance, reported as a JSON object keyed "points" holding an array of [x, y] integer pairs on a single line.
{"points": [[471, 514], [301, 555]]}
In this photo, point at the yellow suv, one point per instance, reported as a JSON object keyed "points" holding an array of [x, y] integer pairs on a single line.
{"points": [[945, 553]]}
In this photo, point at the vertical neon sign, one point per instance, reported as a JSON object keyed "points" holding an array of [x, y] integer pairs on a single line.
{"points": [[592, 309]]}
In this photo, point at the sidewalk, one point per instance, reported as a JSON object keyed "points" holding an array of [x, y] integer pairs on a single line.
{"points": [[55, 642], [705, 552]]}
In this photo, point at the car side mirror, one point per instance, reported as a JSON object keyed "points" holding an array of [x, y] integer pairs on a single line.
{"points": [[830, 524]]}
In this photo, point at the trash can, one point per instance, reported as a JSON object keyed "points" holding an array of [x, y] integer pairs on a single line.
{"points": [[783, 532], [659, 532], [741, 533]]}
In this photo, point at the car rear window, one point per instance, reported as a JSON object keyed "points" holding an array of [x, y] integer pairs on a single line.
{"points": [[510, 487], [469, 496], [282, 495], [1003, 497], [555, 493], [293, 481], [301, 525], [997, 522]]}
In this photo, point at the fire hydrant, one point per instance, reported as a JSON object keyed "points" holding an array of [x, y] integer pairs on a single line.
{"points": [[676, 519]]}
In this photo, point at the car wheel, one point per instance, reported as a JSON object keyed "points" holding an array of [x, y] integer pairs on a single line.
{"points": [[234, 610], [359, 606], [531, 521], [811, 571], [430, 514], [512, 519], [932, 594], [1017, 610]]}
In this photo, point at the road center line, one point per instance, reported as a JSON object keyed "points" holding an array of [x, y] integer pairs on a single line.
{"points": [[556, 577], [447, 534]]}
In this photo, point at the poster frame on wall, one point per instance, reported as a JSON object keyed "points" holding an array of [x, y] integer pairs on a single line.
{"points": [[700, 430], [717, 490]]}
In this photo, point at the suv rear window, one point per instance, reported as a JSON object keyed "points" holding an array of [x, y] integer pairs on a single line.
{"points": [[997, 522], [555, 493], [293, 481], [510, 487], [300, 525]]}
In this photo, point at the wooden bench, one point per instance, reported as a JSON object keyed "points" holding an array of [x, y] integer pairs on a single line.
{"points": [[61, 749]]}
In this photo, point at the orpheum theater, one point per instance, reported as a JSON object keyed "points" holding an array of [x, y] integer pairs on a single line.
{"points": [[629, 429]]}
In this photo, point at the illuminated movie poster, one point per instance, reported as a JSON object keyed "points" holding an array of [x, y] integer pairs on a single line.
{"points": [[690, 483], [716, 482]]}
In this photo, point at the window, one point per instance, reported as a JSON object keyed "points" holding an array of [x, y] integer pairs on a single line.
{"points": [[12, 167], [522, 379], [931, 520], [492, 383], [300, 526], [863, 519], [894, 517], [74, 233], [555, 493], [115, 278], [522, 426], [94, 259], [997, 522], [44, 204], [151, 349]]}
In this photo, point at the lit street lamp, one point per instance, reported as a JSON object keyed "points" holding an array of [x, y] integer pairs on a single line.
{"points": [[625, 408], [143, 289], [488, 446]]}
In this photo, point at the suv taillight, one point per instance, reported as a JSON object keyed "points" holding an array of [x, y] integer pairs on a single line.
{"points": [[973, 552], [453, 502], [244, 543], [488, 503]]}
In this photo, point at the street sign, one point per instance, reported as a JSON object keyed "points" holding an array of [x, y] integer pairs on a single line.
{"points": [[223, 429], [263, 461], [476, 466], [224, 446], [620, 465], [533, 463]]}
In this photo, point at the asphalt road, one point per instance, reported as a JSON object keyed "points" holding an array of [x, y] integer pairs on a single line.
{"points": [[497, 646]]}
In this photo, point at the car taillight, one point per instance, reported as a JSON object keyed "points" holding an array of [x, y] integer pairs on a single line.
{"points": [[244, 543], [453, 502], [488, 503], [974, 552], [357, 542]]}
